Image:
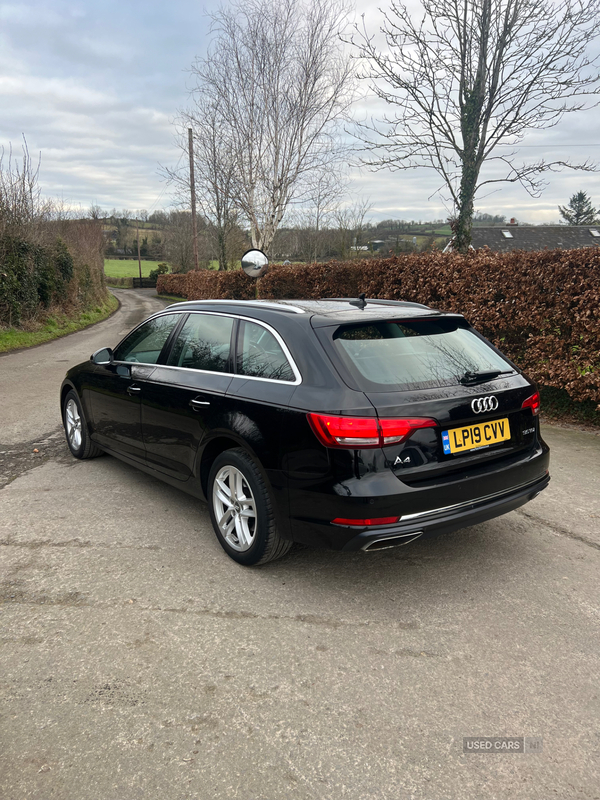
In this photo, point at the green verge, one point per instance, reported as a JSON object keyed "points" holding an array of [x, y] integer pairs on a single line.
{"points": [[55, 326]]}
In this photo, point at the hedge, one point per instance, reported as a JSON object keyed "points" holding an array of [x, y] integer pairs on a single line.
{"points": [[541, 309], [58, 265]]}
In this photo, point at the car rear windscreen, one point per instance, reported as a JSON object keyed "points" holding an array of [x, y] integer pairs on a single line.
{"points": [[414, 354]]}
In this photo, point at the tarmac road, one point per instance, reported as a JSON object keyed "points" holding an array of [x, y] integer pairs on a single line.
{"points": [[138, 661], [30, 379]]}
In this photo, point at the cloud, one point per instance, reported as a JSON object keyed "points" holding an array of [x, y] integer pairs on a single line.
{"points": [[95, 87]]}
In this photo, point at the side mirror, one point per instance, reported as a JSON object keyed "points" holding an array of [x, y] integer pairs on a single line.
{"points": [[103, 356], [255, 263]]}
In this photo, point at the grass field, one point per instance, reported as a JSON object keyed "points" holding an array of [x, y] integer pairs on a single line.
{"points": [[128, 269], [116, 268], [425, 241]]}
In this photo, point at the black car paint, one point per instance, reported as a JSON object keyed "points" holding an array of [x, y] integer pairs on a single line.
{"points": [[312, 484]]}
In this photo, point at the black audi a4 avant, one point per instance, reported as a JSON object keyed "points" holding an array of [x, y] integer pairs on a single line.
{"points": [[343, 423]]}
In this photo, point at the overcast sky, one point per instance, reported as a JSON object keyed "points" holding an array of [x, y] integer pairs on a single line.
{"points": [[95, 88]]}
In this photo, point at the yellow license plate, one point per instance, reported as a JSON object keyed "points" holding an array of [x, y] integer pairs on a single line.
{"points": [[472, 437]]}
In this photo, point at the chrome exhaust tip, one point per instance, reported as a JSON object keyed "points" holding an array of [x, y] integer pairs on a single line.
{"points": [[387, 542]]}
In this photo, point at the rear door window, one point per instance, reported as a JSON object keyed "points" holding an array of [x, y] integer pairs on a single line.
{"points": [[414, 354], [203, 343]]}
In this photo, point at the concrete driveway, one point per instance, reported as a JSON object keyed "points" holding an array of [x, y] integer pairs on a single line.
{"points": [[138, 661]]}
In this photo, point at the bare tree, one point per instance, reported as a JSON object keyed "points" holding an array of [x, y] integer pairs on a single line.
{"points": [[95, 212], [350, 225], [177, 241], [214, 170], [276, 82], [323, 199], [471, 76], [178, 244], [20, 194]]}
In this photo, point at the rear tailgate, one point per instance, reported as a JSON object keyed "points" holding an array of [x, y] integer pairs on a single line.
{"points": [[483, 441], [476, 426]]}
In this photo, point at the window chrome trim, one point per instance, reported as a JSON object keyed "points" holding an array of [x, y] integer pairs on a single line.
{"points": [[251, 303], [230, 375], [297, 374]]}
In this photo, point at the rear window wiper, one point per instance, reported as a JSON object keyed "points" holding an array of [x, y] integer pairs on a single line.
{"points": [[470, 378]]}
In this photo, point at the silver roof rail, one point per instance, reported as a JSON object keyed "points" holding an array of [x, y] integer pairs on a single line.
{"points": [[283, 306]]}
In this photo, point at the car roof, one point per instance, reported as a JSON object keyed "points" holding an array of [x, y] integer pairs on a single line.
{"points": [[328, 311]]}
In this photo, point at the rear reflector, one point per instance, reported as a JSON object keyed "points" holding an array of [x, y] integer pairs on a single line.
{"points": [[363, 523], [358, 432], [533, 403]]}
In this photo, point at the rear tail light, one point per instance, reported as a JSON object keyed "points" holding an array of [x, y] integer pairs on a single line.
{"points": [[359, 432], [533, 403], [395, 430], [345, 431], [365, 523]]}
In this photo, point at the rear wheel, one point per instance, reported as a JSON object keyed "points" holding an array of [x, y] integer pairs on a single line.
{"points": [[241, 510], [78, 438]]}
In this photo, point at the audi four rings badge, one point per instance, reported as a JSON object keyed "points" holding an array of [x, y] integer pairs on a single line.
{"points": [[484, 404]]}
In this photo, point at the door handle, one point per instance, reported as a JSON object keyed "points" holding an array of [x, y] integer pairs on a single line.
{"points": [[133, 388], [195, 404]]}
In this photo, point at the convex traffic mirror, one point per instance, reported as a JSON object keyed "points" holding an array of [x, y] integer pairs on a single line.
{"points": [[255, 263]]}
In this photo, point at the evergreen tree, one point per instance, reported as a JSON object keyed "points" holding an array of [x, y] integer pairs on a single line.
{"points": [[579, 211]]}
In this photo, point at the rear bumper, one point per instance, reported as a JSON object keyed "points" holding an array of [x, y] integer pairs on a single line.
{"points": [[370, 489], [444, 520], [438, 511]]}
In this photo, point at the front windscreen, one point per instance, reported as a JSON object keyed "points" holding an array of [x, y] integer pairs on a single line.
{"points": [[414, 354]]}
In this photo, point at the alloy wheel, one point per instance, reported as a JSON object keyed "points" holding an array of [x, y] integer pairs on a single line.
{"points": [[235, 508], [73, 425]]}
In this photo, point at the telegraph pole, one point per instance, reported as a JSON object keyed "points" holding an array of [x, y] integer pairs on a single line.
{"points": [[139, 256], [193, 191]]}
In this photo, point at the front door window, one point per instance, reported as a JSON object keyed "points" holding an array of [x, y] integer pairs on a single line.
{"points": [[144, 345]]}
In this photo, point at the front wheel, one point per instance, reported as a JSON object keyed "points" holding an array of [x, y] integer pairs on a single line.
{"points": [[241, 510], [78, 438]]}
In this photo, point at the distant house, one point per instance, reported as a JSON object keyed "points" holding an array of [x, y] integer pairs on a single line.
{"points": [[505, 238]]}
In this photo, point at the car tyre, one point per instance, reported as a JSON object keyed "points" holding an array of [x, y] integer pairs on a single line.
{"points": [[241, 510], [76, 431]]}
